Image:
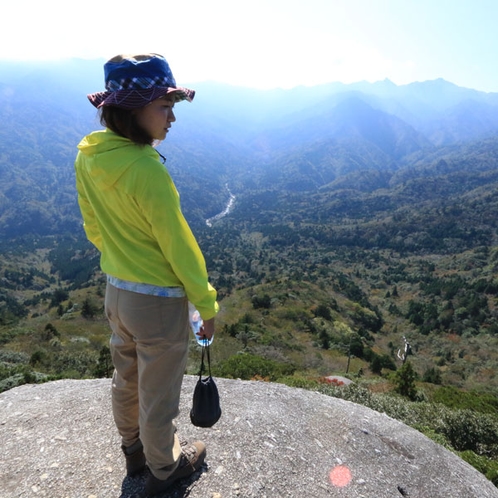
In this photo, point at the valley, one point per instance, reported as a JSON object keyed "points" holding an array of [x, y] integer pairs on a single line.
{"points": [[340, 223]]}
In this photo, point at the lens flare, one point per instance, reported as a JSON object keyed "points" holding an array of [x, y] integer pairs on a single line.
{"points": [[340, 476]]}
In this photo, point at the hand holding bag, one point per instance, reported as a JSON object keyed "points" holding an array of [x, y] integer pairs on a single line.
{"points": [[206, 409]]}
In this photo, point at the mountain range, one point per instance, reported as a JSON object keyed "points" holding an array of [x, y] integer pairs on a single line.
{"points": [[303, 139]]}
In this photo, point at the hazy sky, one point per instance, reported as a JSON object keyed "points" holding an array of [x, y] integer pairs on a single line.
{"points": [[269, 43]]}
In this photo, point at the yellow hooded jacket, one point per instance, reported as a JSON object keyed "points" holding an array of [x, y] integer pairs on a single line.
{"points": [[131, 213]]}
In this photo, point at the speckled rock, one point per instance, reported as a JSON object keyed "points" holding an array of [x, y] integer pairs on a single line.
{"points": [[59, 441]]}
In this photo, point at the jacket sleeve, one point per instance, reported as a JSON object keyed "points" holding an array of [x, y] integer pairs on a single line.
{"points": [[90, 224], [159, 199]]}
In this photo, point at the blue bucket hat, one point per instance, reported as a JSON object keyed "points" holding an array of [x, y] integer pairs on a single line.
{"points": [[133, 81]]}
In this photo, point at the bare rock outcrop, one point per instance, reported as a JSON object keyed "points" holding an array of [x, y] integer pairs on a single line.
{"points": [[59, 441]]}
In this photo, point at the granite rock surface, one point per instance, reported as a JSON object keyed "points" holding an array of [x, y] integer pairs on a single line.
{"points": [[58, 440]]}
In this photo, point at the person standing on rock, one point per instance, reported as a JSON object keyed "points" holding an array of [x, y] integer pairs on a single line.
{"points": [[154, 266]]}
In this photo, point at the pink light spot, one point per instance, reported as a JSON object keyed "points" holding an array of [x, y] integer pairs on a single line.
{"points": [[340, 476]]}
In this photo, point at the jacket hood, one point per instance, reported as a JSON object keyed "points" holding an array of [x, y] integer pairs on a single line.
{"points": [[107, 155]]}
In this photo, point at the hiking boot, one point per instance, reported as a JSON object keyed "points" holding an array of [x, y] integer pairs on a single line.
{"points": [[191, 460], [135, 458]]}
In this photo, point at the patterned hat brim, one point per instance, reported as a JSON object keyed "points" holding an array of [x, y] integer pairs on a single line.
{"points": [[134, 99]]}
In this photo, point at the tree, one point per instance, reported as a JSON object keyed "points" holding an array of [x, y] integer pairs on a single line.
{"points": [[356, 347], [378, 362], [323, 311], [58, 296], [89, 309], [49, 332], [261, 302], [104, 366], [405, 381], [324, 339]]}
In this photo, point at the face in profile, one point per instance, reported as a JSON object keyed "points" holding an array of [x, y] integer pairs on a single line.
{"points": [[156, 117]]}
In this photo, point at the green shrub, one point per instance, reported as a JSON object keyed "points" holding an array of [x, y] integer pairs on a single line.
{"points": [[8, 356], [454, 398], [299, 382], [11, 382], [462, 429], [468, 430], [432, 375], [432, 434], [20, 375], [483, 464], [39, 357], [74, 365], [248, 366]]}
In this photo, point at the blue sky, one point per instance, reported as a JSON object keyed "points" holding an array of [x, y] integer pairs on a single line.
{"points": [[270, 43]]}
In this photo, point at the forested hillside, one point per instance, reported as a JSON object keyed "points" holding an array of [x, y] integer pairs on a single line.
{"points": [[364, 220], [325, 180]]}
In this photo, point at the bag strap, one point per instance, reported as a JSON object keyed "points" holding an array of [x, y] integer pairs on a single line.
{"points": [[205, 350]]}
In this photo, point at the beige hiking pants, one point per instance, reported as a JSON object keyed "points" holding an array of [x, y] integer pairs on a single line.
{"points": [[149, 347]]}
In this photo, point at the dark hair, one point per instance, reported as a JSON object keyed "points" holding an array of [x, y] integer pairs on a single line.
{"points": [[124, 123]]}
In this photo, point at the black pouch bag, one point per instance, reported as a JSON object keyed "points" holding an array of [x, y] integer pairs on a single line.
{"points": [[206, 410]]}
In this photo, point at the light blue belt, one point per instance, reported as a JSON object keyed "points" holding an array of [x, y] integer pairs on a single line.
{"points": [[149, 289]]}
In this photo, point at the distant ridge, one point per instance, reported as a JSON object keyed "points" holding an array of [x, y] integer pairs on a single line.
{"points": [[302, 139]]}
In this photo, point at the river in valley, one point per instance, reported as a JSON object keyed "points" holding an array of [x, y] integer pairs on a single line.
{"points": [[229, 206]]}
